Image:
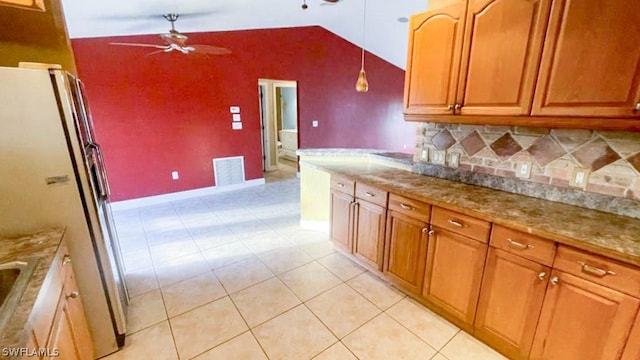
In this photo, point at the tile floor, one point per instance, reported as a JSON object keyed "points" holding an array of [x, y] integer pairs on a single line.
{"points": [[233, 276]]}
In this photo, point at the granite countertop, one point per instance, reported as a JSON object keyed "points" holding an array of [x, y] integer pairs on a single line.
{"points": [[41, 246], [614, 236]]}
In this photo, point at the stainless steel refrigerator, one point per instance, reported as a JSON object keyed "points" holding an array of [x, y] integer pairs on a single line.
{"points": [[52, 175]]}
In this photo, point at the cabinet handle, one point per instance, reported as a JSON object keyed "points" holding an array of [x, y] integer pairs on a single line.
{"points": [[431, 232], [73, 295], [406, 207], [457, 107], [369, 194], [456, 223], [340, 185], [426, 231], [554, 280], [449, 107], [637, 107], [586, 268], [542, 276], [66, 260], [519, 245]]}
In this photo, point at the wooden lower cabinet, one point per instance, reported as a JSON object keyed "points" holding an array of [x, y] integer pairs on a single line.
{"points": [[511, 298], [58, 326], [632, 350], [368, 233], [405, 251], [581, 320], [454, 273], [341, 217]]}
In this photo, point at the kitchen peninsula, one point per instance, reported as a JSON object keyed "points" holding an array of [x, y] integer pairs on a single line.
{"points": [[502, 266]]}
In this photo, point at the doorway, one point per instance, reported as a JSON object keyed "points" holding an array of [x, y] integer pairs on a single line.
{"points": [[279, 124]]}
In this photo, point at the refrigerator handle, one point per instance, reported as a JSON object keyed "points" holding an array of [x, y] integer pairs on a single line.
{"points": [[101, 174]]}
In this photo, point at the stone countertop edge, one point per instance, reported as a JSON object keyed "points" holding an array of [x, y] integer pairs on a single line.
{"points": [[43, 246], [388, 155], [338, 152], [610, 235]]}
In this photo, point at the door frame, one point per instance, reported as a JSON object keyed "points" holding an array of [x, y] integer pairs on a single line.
{"points": [[268, 123]]}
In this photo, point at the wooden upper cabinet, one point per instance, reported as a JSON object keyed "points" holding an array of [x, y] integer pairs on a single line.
{"points": [[500, 56], [582, 320], [435, 44], [591, 60]]}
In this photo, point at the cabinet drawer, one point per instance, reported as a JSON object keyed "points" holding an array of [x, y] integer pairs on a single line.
{"points": [[412, 208], [461, 224], [371, 194], [598, 269], [526, 245], [342, 184]]}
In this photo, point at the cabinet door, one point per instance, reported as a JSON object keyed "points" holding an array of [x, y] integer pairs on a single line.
{"points": [[632, 349], [341, 205], [405, 251], [433, 62], [501, 54], [368, 233], [511, 298], [582, 320], [76, 316], [591, 60], [62, 343], [454, 273]]}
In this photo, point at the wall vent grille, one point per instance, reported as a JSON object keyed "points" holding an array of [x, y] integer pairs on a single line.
{"points": [[229, 170]]}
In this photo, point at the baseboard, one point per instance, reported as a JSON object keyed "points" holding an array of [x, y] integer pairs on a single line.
{"points": [[322, 226], [181, 195]]}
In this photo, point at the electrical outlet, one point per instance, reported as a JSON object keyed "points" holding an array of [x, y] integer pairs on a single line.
{"points": [[523, 169], [314, 123], [174, 175], [438, 157], [424, 154], [579, 177], [454, 160]]}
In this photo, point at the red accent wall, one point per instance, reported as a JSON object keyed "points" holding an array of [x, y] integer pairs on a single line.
{"points": [[170, 112]]}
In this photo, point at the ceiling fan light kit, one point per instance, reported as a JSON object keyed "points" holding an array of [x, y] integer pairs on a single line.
{"points": [[176, 41], [362, 85]]}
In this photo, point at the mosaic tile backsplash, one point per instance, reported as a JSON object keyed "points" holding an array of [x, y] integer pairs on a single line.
{"points": [[612, 157]]}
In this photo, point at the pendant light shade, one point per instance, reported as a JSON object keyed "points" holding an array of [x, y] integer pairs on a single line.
{"points": [[362, 85]]}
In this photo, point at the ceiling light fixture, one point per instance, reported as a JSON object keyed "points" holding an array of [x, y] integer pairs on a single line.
{"points": [[304, 5], [362, 85]]}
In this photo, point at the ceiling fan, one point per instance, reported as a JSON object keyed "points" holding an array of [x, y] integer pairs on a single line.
{"points": [[174, 40]]}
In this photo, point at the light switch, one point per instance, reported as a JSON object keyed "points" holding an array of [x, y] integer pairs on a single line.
{"points": [[314, 123], [236, 117], [174, 175], [454, 160], [424, 154], [236, 125], [438, 157], [234, 109]]}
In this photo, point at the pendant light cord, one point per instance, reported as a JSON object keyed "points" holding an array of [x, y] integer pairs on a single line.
{"points": [[364, 37]]}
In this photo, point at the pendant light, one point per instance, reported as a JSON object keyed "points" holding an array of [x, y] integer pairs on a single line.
{"points": [[362, 85]]}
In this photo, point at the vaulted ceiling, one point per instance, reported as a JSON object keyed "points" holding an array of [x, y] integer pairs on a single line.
{"points": [[385, 33]]}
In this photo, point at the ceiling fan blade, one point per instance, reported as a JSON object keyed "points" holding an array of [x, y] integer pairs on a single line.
{"points": [[209, 49], [157, 52], [140, 45]]}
